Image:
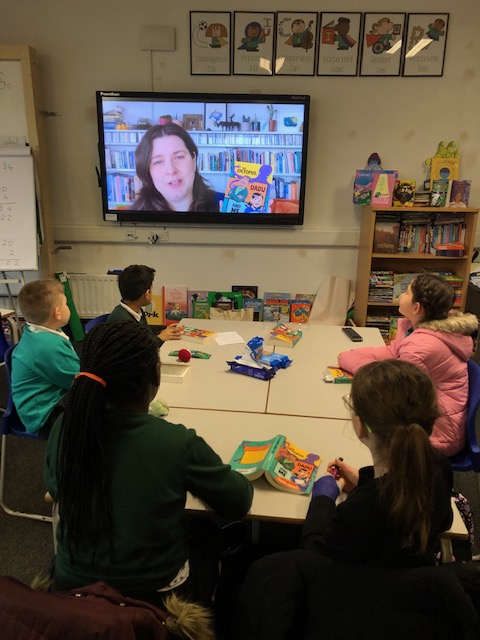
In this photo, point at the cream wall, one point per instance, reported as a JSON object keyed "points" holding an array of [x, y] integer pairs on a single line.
{"points": [[91, 45]]}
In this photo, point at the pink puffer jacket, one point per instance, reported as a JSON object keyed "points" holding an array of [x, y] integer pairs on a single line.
{"points": [[441, 348]]}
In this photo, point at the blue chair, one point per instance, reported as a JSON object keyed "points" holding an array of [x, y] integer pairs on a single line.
{"points": [[469, 458], [95, 321], [12, 425]]}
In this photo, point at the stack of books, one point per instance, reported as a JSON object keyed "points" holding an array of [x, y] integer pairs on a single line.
{"points": [[381, 286]]}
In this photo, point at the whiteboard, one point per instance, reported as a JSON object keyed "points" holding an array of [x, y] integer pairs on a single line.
{"points": [[18, 227], [13, 120]]}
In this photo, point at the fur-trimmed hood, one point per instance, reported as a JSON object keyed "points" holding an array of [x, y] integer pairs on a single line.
{"points": [[455, 322]]}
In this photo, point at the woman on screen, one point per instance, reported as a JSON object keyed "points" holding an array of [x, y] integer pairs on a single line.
{"points": [[166, 164]]}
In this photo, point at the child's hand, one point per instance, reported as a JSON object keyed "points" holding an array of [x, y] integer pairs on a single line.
{"points": [[347, 476], [172, 332], [326, 486]]}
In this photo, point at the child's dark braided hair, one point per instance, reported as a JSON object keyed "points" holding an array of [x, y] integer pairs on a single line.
{"points": [[125, 358]]}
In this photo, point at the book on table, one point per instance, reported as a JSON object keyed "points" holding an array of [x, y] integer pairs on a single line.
{"points": [[284, 336], [283, 464], [192, 334], [337, 375]]}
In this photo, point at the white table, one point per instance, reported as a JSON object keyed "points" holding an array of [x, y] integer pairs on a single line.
{"points": [[224, 432], [297, 390]]}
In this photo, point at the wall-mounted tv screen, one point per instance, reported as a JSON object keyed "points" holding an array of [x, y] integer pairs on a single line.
{"points": [[203, 158]]}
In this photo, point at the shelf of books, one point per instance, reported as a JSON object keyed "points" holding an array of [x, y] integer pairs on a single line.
{"points": [[398, 243]]}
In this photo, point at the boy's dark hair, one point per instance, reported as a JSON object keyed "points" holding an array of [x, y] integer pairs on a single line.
{"points": [[135, 280], [435, 294]]}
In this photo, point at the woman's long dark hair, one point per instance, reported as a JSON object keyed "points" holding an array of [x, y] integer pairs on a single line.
{"points": [[398, 402], [149, 198], [125, 356]]}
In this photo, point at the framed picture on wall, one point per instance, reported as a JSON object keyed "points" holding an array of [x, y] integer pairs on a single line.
{"points": [[253, 39], [295, 40], [425, 44], [383, 35], [210, 43], [339, 44]]}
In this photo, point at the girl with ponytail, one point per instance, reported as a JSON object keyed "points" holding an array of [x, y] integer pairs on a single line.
{"points": [[396, 508]]}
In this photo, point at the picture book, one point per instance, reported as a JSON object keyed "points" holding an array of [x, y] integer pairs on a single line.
{"points": [[276, 310], [382, 188], [362, 186], [175, 303], [154, 311], [460, 193], [248, 188], [300, 310], [257, 305], [386, 234], [444, 169], [306, 296], [200, 309], [192, 334], [247, 290], [449, 249], [195, 295], [439, 195], [284, 336], [225, 300], [284, 465], [337, 375], [404, 193]]}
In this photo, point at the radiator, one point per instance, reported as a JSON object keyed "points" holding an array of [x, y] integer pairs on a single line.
{"points": [[94, 295]]}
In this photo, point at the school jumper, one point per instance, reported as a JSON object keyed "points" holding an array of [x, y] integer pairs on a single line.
{"points": [[357, 530], [153, 464], [44, 365], [441, 348], [122, 314]]}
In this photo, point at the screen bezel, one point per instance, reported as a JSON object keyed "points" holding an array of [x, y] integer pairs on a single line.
{"points": [[132, 216]]}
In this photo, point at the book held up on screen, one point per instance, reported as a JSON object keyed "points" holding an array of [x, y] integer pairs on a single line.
{"points": [[283, 464]]}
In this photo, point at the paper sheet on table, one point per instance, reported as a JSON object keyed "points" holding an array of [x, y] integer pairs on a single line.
{"points": [[229, 337]]}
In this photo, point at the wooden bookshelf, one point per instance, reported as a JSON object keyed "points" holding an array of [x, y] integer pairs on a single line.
{"points": [[406, 262]]}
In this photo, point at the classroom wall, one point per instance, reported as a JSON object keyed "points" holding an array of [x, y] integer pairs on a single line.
{"points": [[91, 45]]}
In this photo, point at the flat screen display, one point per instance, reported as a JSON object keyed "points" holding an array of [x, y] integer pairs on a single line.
{"points": [[203, 158]]}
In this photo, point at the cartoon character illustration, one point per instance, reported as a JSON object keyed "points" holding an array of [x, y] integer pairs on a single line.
{"points": [[382, 34], [239, 189], [436, 29], [256, 203], [255, 35], [209, 35], [217, 32], [300, 478], [301, 36], [343, 40]]}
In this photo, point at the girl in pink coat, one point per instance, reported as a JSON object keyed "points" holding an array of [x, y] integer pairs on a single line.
{"points": [[438, 340]]}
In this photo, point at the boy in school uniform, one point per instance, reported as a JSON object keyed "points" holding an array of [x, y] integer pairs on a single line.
{"points": [[135, 284], [44, 363]]}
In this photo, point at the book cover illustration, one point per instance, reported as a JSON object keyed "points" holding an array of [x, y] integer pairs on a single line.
{"points": [[444, 169], [337, 375], [404, 193], [175, 303], [192, 334], [225, 300], [284, 336], [248, 188], [382, 189], [247, 290], [362, 186], [154, 311], [386, 234], [257, 305], [460, 193], [196, 295], [284, 465], [439, 193], [300, 310]]}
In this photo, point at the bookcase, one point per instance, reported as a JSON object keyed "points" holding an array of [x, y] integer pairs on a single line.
{"points": [[403, 262], [217, 152]]}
